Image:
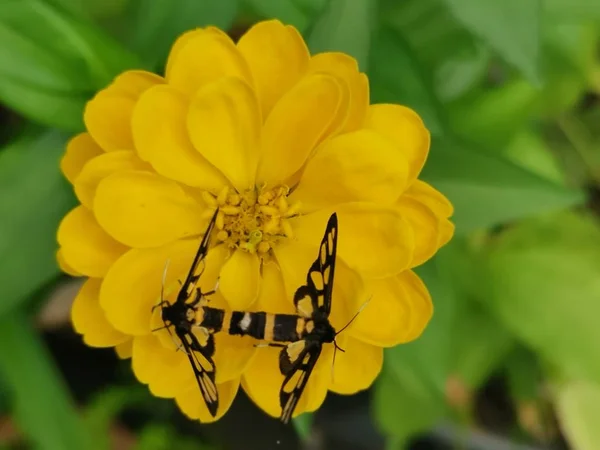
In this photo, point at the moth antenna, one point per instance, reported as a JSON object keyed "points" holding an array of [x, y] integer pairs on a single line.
{"points": [[336, 347], [164, 279], [179, 346], [333, 363], [355, 315]]}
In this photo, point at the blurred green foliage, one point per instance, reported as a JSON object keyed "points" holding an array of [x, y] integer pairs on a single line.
{"points": [[510, 92]]}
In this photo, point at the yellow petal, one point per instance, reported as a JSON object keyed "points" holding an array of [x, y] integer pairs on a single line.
{"points": [[99, 168], [446, 232], [142, 209], [357, 166], [405, 129], [346, 68], [357, 367], [85, 246], [420, 302], [273, 297], [107, 118], [425, 226], [399, 311], [240, 279], [386, 320], [62, 264], [430, 197], [132, 287], [192, 404], [89, 319], [438, 204], [232, 356], [295, 258], [374, 240], [132, 83], [80, 149], [303, 117], [262, 382], [161, 138], [125, 349], [277, 57], [180, 42], [166, 372], [204, 56], [224, 125]]}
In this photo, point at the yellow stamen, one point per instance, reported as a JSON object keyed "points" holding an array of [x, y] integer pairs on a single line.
{"points": [[220, 222], [293, 210], [272, 226], [269, 210], [209, 199], [231, 210], [263, 247], [282, 204], [252, 220], [265, 198], [286, 228], [222, 197], [234, 199]]}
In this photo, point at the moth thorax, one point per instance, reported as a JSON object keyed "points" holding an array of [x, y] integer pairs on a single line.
{"points": [[198, 317], [190, 314]]}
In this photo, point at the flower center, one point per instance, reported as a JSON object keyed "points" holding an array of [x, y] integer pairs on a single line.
{"points": [[253, 220]]}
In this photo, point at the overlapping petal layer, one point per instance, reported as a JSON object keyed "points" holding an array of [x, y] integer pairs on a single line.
{"points": [[279, 140], [89, 319], [154, 212]]}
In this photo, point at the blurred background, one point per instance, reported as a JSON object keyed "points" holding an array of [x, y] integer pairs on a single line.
{"points": [[510, 92]]}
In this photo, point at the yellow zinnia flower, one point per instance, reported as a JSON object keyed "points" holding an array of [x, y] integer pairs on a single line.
{"points": [[278, 140]]}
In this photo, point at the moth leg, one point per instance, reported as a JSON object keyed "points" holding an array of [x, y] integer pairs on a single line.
{"points": [[214, 290], [270, 344]]}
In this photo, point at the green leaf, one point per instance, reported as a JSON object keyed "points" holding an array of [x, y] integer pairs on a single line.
{"points": [[569, 65], [402, 79], [156, 24], [580, 10], [39, 198], [158, 436], [303, 425], [487, 190], [402, 413], [76, 54], [529, 150], [104, 408], [45, 106], [288, 12], [52, 68], [491, 117], [456, 59], [543, 284], [510, 27], [42, 406], [480, 345], [88, 9], [409, 394], [578, 409], [344, 26], [524, 375]]}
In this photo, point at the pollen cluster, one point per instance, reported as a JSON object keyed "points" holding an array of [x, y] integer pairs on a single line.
{"points": [[253, 220]]}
